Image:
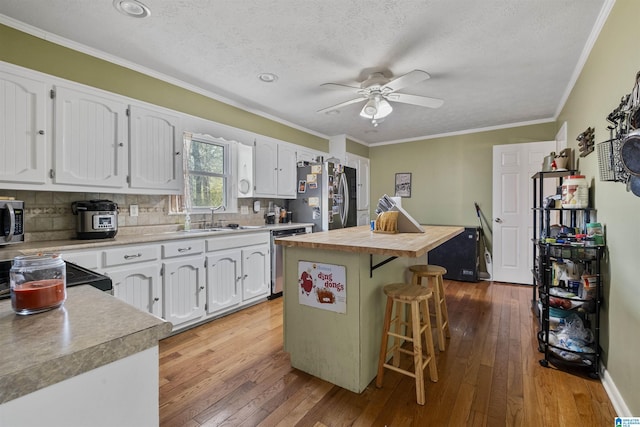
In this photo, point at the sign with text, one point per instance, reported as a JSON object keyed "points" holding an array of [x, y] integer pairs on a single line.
{"points": [[322, 286]]}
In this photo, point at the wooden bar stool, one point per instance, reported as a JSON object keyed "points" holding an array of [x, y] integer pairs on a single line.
{"points": [[417, 298], [435, 272]]}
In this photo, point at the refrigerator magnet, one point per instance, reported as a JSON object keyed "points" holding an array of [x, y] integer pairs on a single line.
{"points": [[312, 177], [302, 186], [314, 201], [316, 168]]}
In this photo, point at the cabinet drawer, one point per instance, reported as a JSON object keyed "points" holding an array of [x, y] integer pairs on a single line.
{"points": [[238, 240], [182, 248], [130, 255]]}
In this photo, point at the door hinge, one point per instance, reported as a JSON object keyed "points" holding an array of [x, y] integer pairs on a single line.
{"points": [[52, 93], [128, 179], [128, 112], [162, 271], [52, 173]]}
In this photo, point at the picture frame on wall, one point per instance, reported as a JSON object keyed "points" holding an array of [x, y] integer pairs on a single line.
{"points": [[403, 184]]}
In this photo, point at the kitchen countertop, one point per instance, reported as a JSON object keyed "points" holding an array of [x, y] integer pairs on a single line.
{"points": [[90, 330], [149, 236], [362, 240]]}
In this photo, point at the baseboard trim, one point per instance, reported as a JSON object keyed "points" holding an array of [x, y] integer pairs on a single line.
{"points": [[621, 408]]}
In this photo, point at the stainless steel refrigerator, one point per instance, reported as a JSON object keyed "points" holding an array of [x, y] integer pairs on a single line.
{"points": [[326, 196]]}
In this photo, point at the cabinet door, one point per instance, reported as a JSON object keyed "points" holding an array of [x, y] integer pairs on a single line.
{"points": [[361, 164], [266, 166], [22, 129], [256, 272], [223, 280], [155, 150], [183, 282], [89, 139], [363, 184], [287, 171], [139, 286]]}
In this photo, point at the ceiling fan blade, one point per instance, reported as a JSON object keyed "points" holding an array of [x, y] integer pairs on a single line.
{"points": [[423, 101], [342, 104], [339, 86], [411, 78]]}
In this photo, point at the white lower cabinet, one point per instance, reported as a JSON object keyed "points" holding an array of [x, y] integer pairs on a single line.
{"points": [[187, 281], [183, 280], [139, 286], [256, 277], [224, 279]]}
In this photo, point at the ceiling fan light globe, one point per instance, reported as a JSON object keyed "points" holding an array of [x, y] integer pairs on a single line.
{"points": [[370, 109], [384, 109]]}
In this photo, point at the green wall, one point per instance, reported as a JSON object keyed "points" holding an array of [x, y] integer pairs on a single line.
{"points": [[448, 174], [33, 52], [608, 75]]}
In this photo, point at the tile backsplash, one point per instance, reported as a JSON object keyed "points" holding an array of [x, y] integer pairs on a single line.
{"points": [[48, 214]]}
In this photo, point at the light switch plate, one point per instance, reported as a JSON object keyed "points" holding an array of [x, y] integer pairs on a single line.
{"points": [[256, 206], [133, 210]]}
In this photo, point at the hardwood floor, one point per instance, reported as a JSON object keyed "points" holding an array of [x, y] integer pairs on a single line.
{"points": [[233, 372]]}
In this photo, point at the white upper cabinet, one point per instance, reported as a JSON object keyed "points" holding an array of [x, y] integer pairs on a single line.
{"points": [[275, 169], [89, 139], [23, 132], [287, 171], [155, 140], [361, 164]]}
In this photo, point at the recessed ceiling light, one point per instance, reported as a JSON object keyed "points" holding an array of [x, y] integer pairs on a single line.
{"points": [[267, 77], [132, 8]]}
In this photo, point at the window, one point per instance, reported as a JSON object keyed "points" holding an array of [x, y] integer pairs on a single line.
{"points": [[207, 174]]}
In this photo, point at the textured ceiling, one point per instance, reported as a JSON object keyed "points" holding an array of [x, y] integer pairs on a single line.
{"points": [[493, 62]]}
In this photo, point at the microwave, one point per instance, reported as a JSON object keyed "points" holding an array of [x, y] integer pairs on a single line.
{"points": [[11, 222]]}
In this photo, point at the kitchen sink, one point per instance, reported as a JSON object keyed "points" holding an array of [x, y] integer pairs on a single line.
{"points": [[204, 230]]}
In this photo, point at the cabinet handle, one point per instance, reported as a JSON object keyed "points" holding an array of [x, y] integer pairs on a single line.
{"points": [[177, 153], [138, 255], [498, 220], [156, 299], [184, 249], [121, 144], [201, 288], [245, 276], [41, 132], [238, 278]]}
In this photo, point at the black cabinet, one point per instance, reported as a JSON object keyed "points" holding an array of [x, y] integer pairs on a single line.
{"points": [[459, 256]]}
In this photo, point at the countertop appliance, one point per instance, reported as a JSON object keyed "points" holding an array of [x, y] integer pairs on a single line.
{"points": [[326, 196], [11, 221], [97, 219], [277, 265], [75, 275]]}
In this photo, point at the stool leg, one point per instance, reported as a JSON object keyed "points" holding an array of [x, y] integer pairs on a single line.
{"points": [[399, 319], [438, 306], [417, 352], [442, 303], [384, 342], [431, 352]]}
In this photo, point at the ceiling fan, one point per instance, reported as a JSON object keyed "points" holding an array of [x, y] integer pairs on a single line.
{"points": [[377, 90]]}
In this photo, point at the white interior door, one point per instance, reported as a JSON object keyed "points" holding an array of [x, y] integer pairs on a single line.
{"points": [[513, 167]]}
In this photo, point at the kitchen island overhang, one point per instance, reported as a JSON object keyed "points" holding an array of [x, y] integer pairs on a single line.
{"points": [[343, 348]]}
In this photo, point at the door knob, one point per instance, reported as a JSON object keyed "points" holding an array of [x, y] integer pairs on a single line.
{"points": [[498, 220]]}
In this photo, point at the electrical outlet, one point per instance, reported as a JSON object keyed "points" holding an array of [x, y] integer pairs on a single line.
{"points": [[244, 210], [133, 210]]}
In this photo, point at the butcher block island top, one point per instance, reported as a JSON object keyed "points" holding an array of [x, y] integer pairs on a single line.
{"points": [[363, 240]]}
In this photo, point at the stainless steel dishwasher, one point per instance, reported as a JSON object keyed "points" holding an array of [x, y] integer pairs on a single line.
{"points": [[277, 273]]}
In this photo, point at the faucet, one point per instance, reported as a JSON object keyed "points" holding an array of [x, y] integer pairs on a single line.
{"points": [[214, 209]]}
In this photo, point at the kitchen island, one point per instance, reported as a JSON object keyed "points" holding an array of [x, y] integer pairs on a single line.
{"points": [[337, 337], [93, 361]]}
